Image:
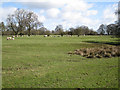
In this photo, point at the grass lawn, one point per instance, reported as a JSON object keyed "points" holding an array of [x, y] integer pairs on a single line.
{"points": [[43, 62]]}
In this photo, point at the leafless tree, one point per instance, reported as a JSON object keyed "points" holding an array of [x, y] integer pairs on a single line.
{"points": [[31, 21], [23, 19], [101, 29], [2, 27]]}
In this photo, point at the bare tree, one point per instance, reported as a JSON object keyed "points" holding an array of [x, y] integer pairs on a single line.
{"points": [[2, 27], [31, 21], [16, 21], [81, 30], [38, 25], [21, 20], [118, 25], [59, 30], [101, 29], [111, 29], [12, 24], [42, 30], [71, 32], [78, 31]]}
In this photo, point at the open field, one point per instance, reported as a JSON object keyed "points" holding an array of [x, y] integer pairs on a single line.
{"points": [[43, 62]]}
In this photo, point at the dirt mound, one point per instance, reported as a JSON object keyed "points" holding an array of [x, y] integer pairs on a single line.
{"points": [[99, 52]]}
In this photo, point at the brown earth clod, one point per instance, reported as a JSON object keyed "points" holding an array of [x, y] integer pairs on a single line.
{"points": [[104, 51]]}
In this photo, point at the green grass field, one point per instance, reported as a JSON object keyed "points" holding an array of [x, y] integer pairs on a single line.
{"points": [[43, 62]]}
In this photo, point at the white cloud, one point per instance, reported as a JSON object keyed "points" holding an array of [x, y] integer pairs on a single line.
{"points": [[40, 15], [41, 18], [91, 12], [76, 5], [71, 16], [52, 13], [76, 12], [55, 0], [4, 12], [67, 12], [72, 12], [109, 14], [42, 11], [43, 4], [47, 4]]}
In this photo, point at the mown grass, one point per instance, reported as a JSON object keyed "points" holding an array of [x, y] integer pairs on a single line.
{"points": [[43, 62]]}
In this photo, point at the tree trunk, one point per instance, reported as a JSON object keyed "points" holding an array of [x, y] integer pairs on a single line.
{"points": [[28, 32], [16, 33], [29, 28]]}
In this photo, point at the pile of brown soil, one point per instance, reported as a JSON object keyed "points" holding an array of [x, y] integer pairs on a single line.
{"points": [[99, 52]]}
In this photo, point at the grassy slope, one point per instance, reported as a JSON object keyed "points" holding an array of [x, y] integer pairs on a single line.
{"points": [[41, 62]]}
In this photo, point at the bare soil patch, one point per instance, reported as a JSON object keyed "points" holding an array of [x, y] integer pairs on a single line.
{"points": [[98, 52]]}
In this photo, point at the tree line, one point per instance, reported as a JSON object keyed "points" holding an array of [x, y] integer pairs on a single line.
{"points": [[25, 22], [111, 29]]}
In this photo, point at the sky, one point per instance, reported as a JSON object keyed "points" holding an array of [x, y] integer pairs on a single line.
{"points": [[68, 13]]}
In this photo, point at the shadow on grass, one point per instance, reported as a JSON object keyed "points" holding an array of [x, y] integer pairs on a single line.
{"points": [[109, 43]]}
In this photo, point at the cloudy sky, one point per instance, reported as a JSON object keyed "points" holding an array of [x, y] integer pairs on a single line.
{"points": [[69, 13]]}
